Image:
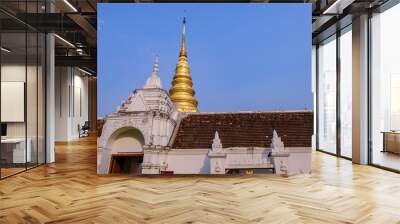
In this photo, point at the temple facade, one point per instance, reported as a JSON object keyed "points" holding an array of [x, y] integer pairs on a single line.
{"points": [[156, 132]]}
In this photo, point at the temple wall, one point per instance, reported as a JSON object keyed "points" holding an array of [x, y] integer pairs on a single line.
{"points": [[188, 161], [299, 161], [197, 161]]}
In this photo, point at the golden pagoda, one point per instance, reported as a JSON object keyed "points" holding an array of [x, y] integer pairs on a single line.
{"points": [[182, 92]]}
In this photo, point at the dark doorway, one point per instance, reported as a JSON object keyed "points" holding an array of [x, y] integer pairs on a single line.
{"points": [[126, 163]]}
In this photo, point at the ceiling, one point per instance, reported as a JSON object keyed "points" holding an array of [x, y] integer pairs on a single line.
{"points": [[73, 21]]}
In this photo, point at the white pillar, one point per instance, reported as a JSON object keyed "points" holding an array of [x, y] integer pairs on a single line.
{"points": [[314, 92], [50, 99], [360, 90]]}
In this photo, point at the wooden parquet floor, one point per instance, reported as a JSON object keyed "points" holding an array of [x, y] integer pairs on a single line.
{"points": [[69, 191]]}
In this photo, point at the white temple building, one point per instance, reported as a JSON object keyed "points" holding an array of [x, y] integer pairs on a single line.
{"points": [[148, 135]]}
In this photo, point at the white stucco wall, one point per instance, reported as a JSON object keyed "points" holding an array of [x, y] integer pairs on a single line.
{"points": [[197, 161], [299, 161], [188, 161], [126, 140]]}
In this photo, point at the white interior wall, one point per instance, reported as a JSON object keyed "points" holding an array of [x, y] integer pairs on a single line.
{"points": [[61, 103], [81, 108], [33, 127], [71, 102], [13, 101], [12, 73]]}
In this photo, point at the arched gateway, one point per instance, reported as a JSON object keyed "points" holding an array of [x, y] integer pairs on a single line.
{"points": [[126, 148], [148, 117]]}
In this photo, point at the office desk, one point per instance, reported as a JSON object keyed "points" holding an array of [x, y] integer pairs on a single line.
{"points": [[13, 150], [391, 141]]}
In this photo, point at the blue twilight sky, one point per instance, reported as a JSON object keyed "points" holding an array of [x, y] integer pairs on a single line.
{"points": [[242, 56]]}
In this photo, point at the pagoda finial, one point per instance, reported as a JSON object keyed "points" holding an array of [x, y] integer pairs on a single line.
{"points": [[154, 80], [183, 47], [155, 65], [182, 92]]}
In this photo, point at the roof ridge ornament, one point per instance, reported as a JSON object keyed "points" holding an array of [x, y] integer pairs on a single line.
{"points": [[276, 143], [216, 145]]}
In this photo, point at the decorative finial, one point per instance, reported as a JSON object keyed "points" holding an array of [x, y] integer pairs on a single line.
{"points": [[154, 81], [275, 134], [184, 26], [183, 47], [216, 136], [155, 66], [276, 142], [216, 145]]}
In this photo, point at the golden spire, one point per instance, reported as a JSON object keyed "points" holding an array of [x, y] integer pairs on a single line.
{"points": [[182, 92], [183, 46]]}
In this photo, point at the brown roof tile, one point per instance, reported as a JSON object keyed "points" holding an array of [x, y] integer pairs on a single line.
{"points": [[245, 129]]}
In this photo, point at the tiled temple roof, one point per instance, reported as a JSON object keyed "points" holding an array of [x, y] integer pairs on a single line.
{"points": [[244, 129]]}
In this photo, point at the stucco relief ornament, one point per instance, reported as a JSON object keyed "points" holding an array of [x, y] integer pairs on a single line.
{"points": [[151, 139], [216, 145], [217, 167], [283, 169]]}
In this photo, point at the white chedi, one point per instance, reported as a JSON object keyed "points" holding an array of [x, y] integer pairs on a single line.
{"points": [[279, 155], [217, 156], [216, 145], [154, 80], [276, 143]]}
